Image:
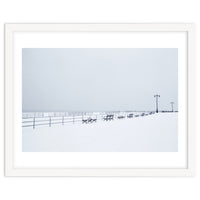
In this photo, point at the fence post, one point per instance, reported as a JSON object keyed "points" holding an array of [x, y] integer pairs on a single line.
{"points": [[49, 121], [33, 122], [73, 119]]}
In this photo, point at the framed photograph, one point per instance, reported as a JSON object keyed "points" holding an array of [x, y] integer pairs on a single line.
{"points": [[99, 100]]}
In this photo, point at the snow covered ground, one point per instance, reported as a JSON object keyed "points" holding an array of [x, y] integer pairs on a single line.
{"points": [[152, 133]]}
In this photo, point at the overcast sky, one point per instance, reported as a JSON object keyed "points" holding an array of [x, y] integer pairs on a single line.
{"points": [[99, 79]]}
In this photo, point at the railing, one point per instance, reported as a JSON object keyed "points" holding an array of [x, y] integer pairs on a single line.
{"points": [[87, 119], [49, 121]]}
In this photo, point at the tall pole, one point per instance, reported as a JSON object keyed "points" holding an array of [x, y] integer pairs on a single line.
{"points": [[172, 104], [157, 96]]}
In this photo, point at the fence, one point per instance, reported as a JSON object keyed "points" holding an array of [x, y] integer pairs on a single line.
{"points": [[92, 118], [49, 121]]}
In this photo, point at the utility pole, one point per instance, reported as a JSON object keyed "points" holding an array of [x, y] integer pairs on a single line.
{"points": [[172, 104], [157, 96]]}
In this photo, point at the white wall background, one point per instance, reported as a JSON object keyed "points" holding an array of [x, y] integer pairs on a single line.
{"points": [[104, 11]]}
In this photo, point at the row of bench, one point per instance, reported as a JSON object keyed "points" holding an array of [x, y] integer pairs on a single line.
{"points": [[111, 117]]}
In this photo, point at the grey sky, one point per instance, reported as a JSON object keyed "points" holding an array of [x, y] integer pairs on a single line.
{"points": [[99, 79]]}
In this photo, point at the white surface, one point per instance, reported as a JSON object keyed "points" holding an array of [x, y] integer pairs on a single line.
{"points": [[153, 133], [143, 142], [93, 11]]}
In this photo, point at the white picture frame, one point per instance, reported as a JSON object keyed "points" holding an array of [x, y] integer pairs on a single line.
{"points": [[11, 170]]}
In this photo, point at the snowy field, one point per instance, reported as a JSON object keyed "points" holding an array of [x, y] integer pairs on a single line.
{"points": [[152, 133]]}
